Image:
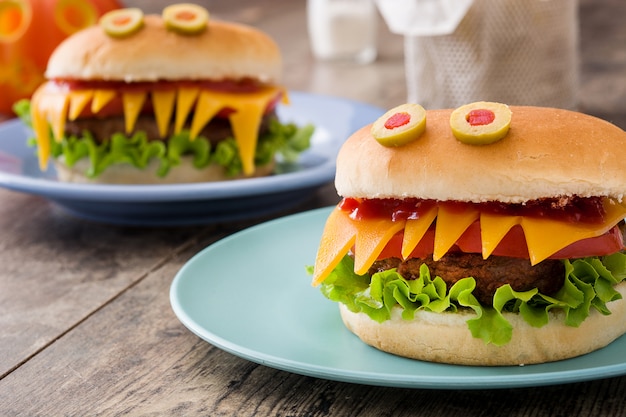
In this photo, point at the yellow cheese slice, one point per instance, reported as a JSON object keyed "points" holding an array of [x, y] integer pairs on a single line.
{"points": [[493, 228], [247, 110], [415, 229], [338, 237], [371, 237], [451, 223], [40, 126], [52, 107], [48, 109], [78, 101], [101, 97], [133, 103], [185, 99], [245, 124], [207, 107], [163, 103], [545, 237], [56, 112]]}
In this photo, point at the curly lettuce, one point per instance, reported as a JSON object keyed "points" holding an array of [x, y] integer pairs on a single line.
{"points": [[285, 140], [588, 285]]}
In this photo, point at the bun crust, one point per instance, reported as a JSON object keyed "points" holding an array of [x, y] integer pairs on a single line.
{"points": [[547, 153], [223, 51], [445, 338], [127, 174]]}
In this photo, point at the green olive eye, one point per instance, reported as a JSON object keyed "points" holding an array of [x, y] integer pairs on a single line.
{"points": [[186, 18], [400, 125], [481, 123], [122, 22]]}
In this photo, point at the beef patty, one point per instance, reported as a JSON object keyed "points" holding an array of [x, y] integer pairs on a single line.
{"points": [[101, 129], [547, 276]]}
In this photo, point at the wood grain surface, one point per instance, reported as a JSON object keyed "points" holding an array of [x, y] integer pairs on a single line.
{"points": [[86, 328]]}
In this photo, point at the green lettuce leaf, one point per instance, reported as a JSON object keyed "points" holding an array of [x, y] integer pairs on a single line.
{"points": [[22, 110], [588, 285], [285, 140]]}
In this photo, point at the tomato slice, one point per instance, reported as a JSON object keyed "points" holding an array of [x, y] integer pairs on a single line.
{"points": [[512, 245], [424, 248], [610, 242]]}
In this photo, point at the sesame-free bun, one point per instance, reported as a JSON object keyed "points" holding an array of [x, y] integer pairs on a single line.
{"points": [[223, 51], [546, 153], [185, 172], [445, 337]]}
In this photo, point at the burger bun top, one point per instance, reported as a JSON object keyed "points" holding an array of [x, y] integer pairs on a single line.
{"points": [[547, 153], [223, 51]]}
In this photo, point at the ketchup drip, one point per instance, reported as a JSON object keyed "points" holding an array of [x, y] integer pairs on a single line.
{"points": [[569, 209]]}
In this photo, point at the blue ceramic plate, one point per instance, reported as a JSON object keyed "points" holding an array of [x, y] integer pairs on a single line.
{"points": [[274, 317], [335, 119]]}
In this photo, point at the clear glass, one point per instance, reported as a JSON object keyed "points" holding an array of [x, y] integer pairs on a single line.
{"points": [[423, 17], [343, 30], [518, 52]]}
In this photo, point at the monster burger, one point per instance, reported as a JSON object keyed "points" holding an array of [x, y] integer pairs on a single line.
{"points": [[487, 235], [176, 97]]}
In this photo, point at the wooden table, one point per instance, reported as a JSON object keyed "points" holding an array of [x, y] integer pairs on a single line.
{"points": [[86, 326]]}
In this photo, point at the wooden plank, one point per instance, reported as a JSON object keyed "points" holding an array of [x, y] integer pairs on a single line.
{"points": [[133, 357], [58, 269]]}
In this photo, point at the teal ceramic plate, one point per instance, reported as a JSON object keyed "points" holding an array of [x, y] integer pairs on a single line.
{"points": [[249, 294]]}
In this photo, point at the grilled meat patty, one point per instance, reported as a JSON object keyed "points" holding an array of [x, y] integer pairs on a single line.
{"points": [[101, 129], [547, 276]]}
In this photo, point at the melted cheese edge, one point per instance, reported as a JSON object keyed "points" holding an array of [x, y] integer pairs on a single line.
{"points": [[51, 108], [544, 237]]}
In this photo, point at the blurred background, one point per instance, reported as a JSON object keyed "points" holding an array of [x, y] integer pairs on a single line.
{"points": [[587, 46]]}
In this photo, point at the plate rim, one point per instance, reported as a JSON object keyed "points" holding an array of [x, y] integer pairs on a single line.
{"points": [[306, 178]]}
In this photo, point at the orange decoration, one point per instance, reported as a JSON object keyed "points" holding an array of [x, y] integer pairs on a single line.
{"points": [[29, 31]]}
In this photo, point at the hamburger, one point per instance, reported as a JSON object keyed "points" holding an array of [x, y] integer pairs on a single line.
{"points": [[169, 98], [483, 235]]}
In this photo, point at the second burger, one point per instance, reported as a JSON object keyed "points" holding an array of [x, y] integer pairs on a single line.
{"points": [[169, 98]]}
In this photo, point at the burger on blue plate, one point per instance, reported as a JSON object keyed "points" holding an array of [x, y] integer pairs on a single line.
{"points": [[170, 98], [484, 235]]}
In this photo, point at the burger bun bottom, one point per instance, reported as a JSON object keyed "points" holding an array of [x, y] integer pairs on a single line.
{"points": [[445, 337], [185, 172]]}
